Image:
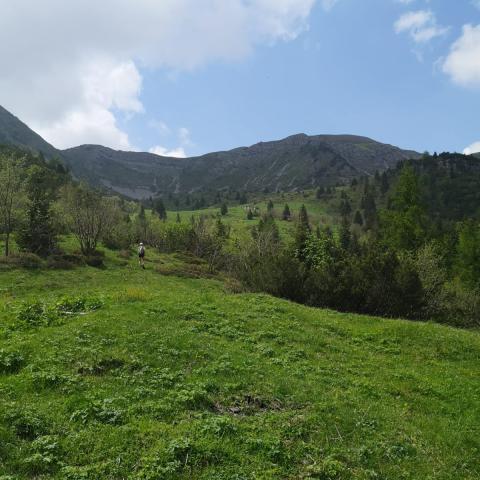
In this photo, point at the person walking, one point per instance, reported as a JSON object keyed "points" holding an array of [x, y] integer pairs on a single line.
{"points": [[141, 255]]}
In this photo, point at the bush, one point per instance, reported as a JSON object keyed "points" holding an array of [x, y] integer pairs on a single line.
{"points": [[462, 306], [64, 261], [26, 424], [95, 261], [10, 361], [36, 314], [22, 260]]}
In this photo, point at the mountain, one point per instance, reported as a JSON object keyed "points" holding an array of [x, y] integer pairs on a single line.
{"points": [[296, 162], [14, 132]]}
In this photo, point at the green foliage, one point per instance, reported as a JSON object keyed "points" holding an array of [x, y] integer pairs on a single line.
{"points": [[302, 232], [40, 314], [38, 232], [468, 253], [405, 224], [10, 361], [160, 209]]}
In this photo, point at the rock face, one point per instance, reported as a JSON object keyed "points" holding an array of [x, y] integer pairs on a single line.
{"points": [[297, 162]]}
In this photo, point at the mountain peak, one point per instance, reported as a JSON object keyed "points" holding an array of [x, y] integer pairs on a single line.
{"points": [[297, 161]]}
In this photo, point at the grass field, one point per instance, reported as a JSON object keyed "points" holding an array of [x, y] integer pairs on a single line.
{"points": [[128, 374], [321, 212]]}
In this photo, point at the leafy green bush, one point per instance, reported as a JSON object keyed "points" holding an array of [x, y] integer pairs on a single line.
{"points": [[10, 361], [71, 305], [36, 314], [26, 423], [39, 314], [102, 411], [45, 457]]}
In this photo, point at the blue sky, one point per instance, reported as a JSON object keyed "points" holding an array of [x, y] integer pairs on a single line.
{"points": [[405, 72]]}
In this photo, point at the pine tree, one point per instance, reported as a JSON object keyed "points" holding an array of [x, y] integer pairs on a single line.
{"points": [[159, 207], [270, 206], [224, 209], [286, 215], [405, 224], [358, 219], [345, 235], [249, 214], [384, 184], [345, 208], [302, 232], [179, 220], [37, 234]]}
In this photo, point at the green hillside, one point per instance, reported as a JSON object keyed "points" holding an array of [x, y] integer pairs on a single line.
{"points": [[128, 374]]}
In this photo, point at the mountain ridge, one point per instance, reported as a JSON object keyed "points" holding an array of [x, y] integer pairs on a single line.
{"points": [[298, 161]]}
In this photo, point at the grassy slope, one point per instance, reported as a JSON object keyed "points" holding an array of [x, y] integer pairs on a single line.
{"points": [[321, 212], [176, 378]]}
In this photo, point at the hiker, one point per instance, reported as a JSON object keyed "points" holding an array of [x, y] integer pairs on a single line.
{"points": [[141, 255]]}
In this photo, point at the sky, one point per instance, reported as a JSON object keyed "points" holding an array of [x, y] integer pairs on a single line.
{"points": [[187, 77]]}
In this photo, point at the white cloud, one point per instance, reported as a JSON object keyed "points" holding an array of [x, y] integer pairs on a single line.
{"points": [[421, 25], [463, 62], [104, 87], [473, 148], [329, 4], [73, 66], [160, 127], [165, 152]]}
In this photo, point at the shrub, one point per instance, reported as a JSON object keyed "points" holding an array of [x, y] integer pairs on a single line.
{"points": [[64, 261], [95, 261], [70, 305], [102, 411], [22, 260], [36, 314], [26, 424], [10, 362]]}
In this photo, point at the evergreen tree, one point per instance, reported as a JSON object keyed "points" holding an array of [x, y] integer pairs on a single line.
{"points": [[38, 233], [345, 208], [221, 229], [159, 207], [224, 209], [249, 214], [345, 235], [358, 219], [142, 223], [468, 253], [384, 184], [405, 224], [270, 206], [302, 231], [286, 215], [179, 220]]}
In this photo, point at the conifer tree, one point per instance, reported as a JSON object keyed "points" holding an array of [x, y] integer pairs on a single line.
{"points": [[303, 230]]}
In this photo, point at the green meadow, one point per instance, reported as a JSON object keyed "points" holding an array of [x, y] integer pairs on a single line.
{"points": [[321, 212], [120, 373]]}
